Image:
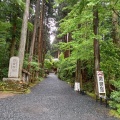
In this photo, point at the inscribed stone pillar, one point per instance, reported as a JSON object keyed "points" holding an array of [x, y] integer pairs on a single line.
{"points": [[13, 67]]}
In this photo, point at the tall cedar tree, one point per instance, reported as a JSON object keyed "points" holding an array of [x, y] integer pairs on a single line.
{"points": [[23, 37]]}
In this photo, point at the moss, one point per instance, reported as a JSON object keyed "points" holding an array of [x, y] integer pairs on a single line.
{"points": [[17, 87], [91, 94], [114, 113]]}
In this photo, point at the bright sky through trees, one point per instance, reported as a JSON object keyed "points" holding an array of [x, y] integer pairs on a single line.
{"points": [[53, 29]]}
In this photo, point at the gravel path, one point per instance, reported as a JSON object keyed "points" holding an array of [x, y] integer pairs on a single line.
{"points": [[52, 99]]}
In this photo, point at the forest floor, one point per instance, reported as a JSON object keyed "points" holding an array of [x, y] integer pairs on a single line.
{"points": [[52, 99]]}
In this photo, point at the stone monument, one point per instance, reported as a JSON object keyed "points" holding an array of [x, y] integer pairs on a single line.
{"points": [[13, 67], [13, 73]]}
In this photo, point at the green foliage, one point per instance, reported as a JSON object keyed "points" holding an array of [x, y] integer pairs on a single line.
{"points": [[4, 60], [20, 2], [110, 64], [4, 72], [4, 28], [55, 64], [114, 113], [30, 26], [115, 96], [61, 56], [110, 60], [88, 86], [66, 69], [48, 64], [48, 56], [34, 66], [83, 51]]}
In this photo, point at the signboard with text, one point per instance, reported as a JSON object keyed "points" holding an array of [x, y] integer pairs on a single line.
{"points": [[100, 82]]}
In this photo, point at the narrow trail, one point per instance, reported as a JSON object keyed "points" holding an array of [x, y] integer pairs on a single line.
{"points": [[52, 99]]}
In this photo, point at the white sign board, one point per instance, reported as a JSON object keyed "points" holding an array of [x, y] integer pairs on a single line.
{"points": [[77, 86], [100, 81], [13, 67]]}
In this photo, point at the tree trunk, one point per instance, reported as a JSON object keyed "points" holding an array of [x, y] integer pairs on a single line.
{"points": [[67, 39], [40, 39], [96, 43], [28, 42], [115, 29], [34, 32], [36, 43], [78, 74], [12, 46], [23, 37]]}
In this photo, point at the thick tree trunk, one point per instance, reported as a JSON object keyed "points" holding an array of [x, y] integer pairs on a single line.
{"points": [[96, 43], [40, 39], [23, 37]]}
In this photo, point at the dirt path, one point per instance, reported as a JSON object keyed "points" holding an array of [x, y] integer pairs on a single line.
{"points": [[5, 94]]}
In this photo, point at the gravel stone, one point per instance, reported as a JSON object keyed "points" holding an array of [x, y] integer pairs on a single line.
{"points": [[52, 99]]}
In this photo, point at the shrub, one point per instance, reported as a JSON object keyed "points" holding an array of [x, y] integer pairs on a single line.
{"points": [[115, 96]]}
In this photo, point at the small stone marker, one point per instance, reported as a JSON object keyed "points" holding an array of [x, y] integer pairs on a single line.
{"points": [[13, 67], [77, 86]]}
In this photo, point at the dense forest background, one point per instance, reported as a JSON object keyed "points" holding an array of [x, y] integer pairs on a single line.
{"points": [[87, 39]]}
